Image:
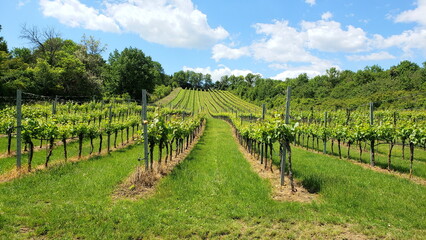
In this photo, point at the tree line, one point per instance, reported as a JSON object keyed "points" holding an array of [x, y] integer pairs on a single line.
{"points": [[57, 66], [401, 86]]}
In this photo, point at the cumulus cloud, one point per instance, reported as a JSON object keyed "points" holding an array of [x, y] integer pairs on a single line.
{"points": [[310, 2], [407, 41], [75, 14], [326, 15], [329, 36], [221, 51], [219, 72], [372, 57], [416, 15], [173, 23], [281, 43]]}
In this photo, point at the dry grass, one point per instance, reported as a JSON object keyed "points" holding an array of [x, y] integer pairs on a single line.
{"points": [[253, 229]]}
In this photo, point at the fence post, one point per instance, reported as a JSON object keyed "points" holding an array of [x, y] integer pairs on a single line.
{"points": [[54, 105], [325, 128], [372, 161], [18, 128], [284, 151], [145, 129]]}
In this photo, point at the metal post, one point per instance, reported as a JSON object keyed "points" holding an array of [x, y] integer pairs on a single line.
{"points": [[325, 138], [287, 121], [145, 129], [18, 127]]}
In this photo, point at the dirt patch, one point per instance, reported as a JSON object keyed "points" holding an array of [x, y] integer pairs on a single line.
{"points": [[414, 179], [142, 183], [279, 193], [17, 173]]}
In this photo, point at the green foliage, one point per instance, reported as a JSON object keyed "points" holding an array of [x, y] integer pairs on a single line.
{"points": [[338, 89], [3, 44], [129, 71]]}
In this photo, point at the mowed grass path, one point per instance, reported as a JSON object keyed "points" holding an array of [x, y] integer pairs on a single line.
{"points": [[212, 194]]}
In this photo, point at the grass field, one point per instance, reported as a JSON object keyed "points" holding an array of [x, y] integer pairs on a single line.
{"points": [[212, 194]]}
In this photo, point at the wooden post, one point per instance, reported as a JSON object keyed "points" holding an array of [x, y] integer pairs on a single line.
{"points": [[372, 161], [145, 129], [18, 128], [325, 139], [54, 105], [284, 151]]}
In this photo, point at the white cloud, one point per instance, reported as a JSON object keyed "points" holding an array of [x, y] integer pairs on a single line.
{"points": [[173, 23], [417, 15], [221, 51], [75, 14], [281, 43], [407, 41], [328, 36], [310, 2], [22, 3], [326, 16], [371, 57], [219, 72], [312, 70]]}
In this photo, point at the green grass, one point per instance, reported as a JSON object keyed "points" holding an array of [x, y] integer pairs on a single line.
{"points": [[8, 163], [3, 145], [212, 194], [398, 164]]}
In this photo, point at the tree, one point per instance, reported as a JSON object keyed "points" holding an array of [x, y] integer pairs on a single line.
{"points": [[129, 72], [46, 41], [25, 54], [208, 83], [3, 44], [89, 53]]}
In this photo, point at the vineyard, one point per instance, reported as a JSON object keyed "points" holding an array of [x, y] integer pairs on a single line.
{"points": [[363, 171]]}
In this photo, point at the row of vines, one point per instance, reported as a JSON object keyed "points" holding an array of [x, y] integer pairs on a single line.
{"points": [[62, 123]]}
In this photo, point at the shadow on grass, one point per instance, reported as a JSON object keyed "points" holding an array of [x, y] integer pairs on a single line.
{"points": [[312, 183]]}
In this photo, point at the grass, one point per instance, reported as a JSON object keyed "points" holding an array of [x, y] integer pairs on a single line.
{"points": [[3, 145], [8, 163], [381, 159], [212, 194]]}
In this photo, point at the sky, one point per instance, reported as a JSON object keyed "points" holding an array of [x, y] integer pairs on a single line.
{"points": [[277, 39]]}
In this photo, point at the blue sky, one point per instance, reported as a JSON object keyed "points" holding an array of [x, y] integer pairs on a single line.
{"points": [[274, 38]]}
